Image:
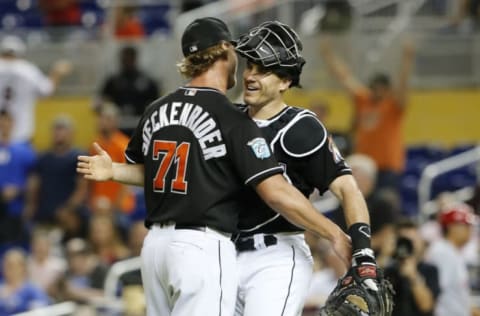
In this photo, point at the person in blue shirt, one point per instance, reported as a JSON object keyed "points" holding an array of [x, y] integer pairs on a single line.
{"points": [[16, 162], [56, 185], [17, 293]]}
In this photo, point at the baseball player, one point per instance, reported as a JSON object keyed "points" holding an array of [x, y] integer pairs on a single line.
{"points": [[275, 264], [193, 151], [21, 83]]}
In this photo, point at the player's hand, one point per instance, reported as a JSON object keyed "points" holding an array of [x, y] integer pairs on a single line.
{"points": [[62, 67], [364, 268], [98, 167], [342, 246], [408, 48], [10, 192]]}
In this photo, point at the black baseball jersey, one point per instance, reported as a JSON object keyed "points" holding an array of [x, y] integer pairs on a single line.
{"points": [[309, 158], [198, 151]]}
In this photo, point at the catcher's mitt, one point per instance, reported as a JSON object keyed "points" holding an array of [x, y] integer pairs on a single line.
{"points": [[351, 298]]}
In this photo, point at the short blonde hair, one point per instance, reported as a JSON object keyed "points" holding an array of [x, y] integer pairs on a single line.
{"points": [[197, 63]]}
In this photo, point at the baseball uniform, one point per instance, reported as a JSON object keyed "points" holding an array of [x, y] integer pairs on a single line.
{"points": [[275, 263], [198, 151]]}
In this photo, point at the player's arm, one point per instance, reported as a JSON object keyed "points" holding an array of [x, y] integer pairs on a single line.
{"points": [[353, 203], [59, 70], [401, 90], [101, 168], [340, 70], [291, 204]]}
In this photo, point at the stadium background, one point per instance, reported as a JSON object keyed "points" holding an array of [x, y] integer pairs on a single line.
{"points": [[444, 97]]}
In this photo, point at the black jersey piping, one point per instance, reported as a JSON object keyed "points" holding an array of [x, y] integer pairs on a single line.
{"points": [[291, 281], [271, 219], [262, 172], [129, 159], [202, 89], [273, 118]]}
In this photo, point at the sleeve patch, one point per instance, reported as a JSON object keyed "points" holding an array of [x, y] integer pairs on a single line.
{"points": [[304, 137], [332, 147], [260, 148]]}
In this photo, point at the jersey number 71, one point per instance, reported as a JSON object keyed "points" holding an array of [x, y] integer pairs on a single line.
{"points": [[168, 150]]}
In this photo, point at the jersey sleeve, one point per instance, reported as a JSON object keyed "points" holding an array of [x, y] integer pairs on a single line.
{"points": [[134, 152], [304, 136], [324, 163], [250, 153], [42, 83]]}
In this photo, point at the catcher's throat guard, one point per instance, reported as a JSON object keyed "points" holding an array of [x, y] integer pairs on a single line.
{"points": [[350, 298]]}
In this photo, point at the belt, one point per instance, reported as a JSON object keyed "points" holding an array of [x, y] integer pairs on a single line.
{"points": [[254, 242], [193, 227], [183, 226]]}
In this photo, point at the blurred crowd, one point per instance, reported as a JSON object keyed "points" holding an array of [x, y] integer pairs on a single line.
{"points": [[59, 234], [433, 265]]}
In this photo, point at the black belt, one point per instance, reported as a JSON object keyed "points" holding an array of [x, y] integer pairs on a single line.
{"points": [[248, 243], [184, 226]]}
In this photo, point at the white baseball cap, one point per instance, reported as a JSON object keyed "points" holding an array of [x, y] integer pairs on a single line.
{"points": [[12, 44]]}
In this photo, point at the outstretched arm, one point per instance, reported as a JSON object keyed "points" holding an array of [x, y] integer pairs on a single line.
{"points": [[288, 201], [404, 73], [59, 70], [101, 168], [339, 69]]}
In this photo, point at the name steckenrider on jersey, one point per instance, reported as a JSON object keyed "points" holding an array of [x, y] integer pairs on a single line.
{"points": [[310, 160], [198, 152]]}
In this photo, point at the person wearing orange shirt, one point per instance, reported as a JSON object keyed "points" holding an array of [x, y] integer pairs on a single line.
{"points": [[127, 24], [109, 196], [379, 114]]}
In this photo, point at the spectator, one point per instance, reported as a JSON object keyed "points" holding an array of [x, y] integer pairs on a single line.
{"points": [[383, 209], [466, 16], [130, 88], [415, 282], [17, 293], [44, 268], [56, 184], [16, 163], [83, 282], [456, 223], [105, 239], [72, 224], [21, 82], [127, 24], [379, 114], [132, 289], [61, 12], [111, 197]]}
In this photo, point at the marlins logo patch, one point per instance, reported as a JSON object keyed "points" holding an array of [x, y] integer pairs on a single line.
{"points": [[337, 156], [259, 147]]}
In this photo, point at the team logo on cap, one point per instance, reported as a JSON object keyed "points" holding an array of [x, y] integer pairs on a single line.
{"points": [[259, 147], [193, 48]]}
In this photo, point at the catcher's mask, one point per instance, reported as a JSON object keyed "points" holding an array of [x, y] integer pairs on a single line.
{"points": [[274, 46], [350, 298]]}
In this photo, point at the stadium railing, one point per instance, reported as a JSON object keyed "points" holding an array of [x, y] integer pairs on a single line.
{"points": [[433, 170]]}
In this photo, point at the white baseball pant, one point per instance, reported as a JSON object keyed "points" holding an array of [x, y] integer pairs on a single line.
{"points": [[274, 280], [188, 272]]}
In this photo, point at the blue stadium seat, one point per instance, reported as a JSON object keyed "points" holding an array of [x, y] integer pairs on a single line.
{"points": [[155, 18], [418, 157]]}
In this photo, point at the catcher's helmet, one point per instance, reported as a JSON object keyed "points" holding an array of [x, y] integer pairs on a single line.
{"points": [[275, 46]]}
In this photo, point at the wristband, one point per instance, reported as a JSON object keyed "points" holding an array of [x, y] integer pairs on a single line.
{"points": [[360, 235]]}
